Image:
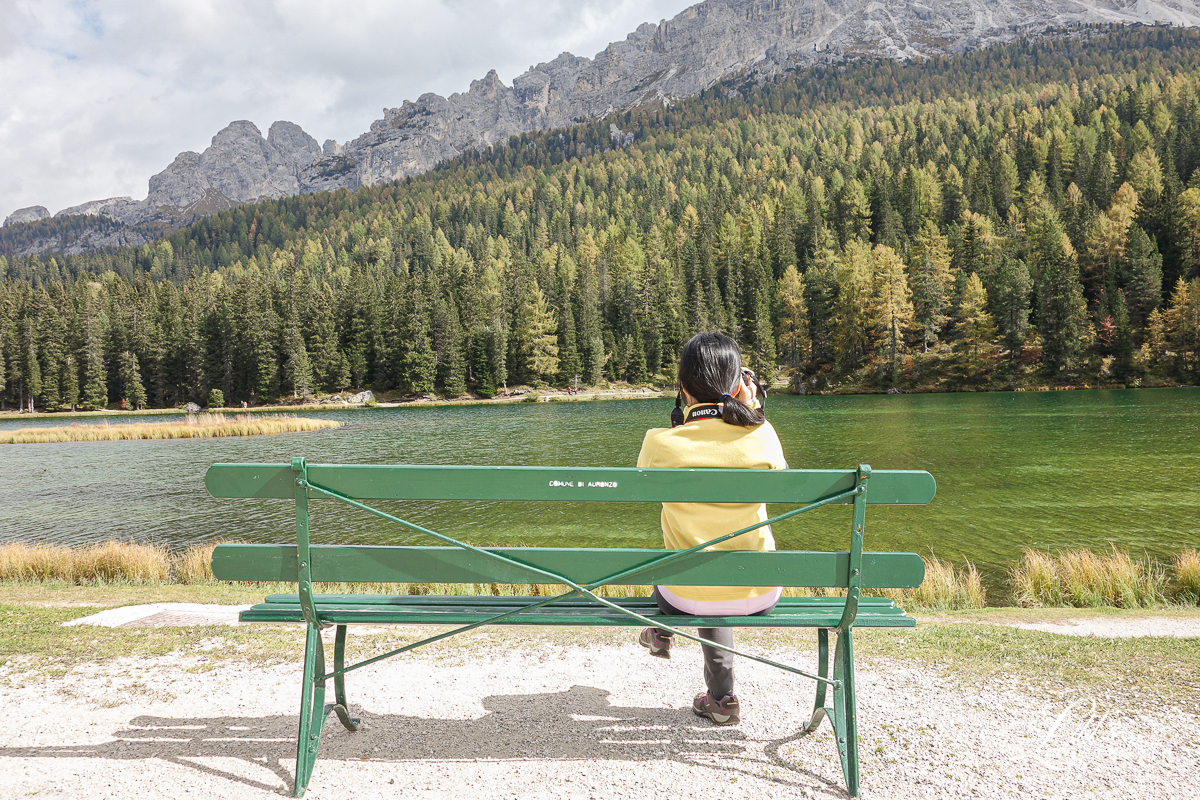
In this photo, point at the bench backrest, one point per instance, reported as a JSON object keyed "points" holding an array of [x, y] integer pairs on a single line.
{"points": [[577, 484], [335, 563]]}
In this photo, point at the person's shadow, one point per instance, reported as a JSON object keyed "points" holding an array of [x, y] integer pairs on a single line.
{"points": [[578, 724]]}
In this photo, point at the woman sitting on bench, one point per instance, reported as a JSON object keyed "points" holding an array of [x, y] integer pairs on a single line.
{"points": [[723, 427]]}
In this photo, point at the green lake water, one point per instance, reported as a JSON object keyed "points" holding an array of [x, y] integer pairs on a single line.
{"points": [[1046, 470]]}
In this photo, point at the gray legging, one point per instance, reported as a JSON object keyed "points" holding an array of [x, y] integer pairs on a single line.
{"points": [[718, 664]]}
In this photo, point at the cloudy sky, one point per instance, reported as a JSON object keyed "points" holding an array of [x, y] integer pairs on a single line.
{"points": [[98, 95]]}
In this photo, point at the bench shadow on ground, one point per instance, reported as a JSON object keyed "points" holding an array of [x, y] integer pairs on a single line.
{"points": [[578, 724]]}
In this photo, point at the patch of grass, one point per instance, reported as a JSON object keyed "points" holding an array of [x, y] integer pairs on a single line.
{"points": [[1085, 579], [1185, 587], [965, 646], [1165, 668], [194, 426], [33, 639]]}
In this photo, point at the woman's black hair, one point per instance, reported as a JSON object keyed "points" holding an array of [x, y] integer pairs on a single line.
{"points": [[710, 370]]}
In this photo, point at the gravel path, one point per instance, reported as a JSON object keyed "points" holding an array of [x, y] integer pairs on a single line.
{"points": [[595, 720]]}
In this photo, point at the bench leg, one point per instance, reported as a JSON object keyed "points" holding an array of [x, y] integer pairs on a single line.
{"points": [[339, 681], [312, 697], [845, 714], [819, 709]]}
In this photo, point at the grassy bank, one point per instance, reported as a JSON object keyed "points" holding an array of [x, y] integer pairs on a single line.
{"points": [[964, 646], [383, 400], [194, 426], [1075, 578]]}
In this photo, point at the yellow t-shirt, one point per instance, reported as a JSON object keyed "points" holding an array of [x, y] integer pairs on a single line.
{"points": [[713, 444]]}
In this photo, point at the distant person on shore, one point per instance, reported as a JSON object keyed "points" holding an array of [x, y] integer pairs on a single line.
{"points": [[723, 427]]}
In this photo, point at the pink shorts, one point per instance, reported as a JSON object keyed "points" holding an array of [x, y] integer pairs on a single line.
{"points": [[722, 608]]}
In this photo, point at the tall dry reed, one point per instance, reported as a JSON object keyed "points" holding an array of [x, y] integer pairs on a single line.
{"points": [[945, 588], [194, 566], [194, 426], [1079, 578], [110, 562], [1185, 586], [1085, 579]]}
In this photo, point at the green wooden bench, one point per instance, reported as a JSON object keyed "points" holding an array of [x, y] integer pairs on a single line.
{"points": [[579, 570]]}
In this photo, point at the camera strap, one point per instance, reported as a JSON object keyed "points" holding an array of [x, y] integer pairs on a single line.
{"points": [[703, 411]]}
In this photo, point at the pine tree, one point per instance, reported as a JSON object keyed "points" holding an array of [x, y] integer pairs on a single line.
{"points": [[1105, 250], [1062, 312], [635, 359], [1182, 320], [568, 361], [297, 366], [262, 331], [418, 360], [536, 338], [133, 392], [1144, 276], [794, 344], [69, 382], [94, 333], [1122, 346], [853, 314], [494, 344], [448, 345], [931, 282], [52, 342], [975, 325], [591, 339], [762, 356], [1011, 303], [820, 295], [31, 369], [892, 301], [219, 343], [854, 212]]}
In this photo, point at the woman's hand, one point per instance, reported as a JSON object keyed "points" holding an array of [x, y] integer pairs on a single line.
{"points": [[747, 391]]}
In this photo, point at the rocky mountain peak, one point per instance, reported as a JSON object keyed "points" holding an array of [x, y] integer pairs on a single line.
{"points": [[29, 214]]}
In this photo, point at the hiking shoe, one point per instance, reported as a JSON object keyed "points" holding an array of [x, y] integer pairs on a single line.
{"points": [[653, 640], [723, 712]]}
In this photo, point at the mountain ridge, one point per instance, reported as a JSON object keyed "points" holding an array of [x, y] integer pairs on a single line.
{"points": [[654, 65]]}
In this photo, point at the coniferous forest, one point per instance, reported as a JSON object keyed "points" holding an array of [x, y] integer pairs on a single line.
{"points": [[1023, 215]]}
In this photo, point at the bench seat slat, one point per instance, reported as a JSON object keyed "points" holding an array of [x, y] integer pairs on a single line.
{"points": [[374, 564], [436, 610], [516, 600]]}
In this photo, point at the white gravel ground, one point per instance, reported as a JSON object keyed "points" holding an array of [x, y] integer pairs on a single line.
{"points": [[579, 721]]}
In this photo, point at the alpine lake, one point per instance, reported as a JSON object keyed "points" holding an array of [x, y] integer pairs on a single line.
{"points": [[1045, 470]]}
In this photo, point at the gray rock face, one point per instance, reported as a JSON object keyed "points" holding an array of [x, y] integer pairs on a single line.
{"points": [[239, 167], [677, 58], [654, 65], [30, 214]]}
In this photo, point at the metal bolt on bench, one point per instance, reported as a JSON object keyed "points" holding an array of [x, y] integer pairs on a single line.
{"points": [[580, 570]]}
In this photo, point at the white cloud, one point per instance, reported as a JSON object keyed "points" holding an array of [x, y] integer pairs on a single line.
{"points": [[98, 95]]}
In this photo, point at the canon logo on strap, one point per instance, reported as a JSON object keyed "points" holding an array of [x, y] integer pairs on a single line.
{"points": [[703, 412]]}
